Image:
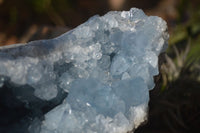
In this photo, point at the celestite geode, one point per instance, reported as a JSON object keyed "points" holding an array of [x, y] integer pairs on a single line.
{"points": [[94, 78]]}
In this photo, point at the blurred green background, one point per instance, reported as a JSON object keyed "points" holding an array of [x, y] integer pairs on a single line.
{"points": [[175, 101]]}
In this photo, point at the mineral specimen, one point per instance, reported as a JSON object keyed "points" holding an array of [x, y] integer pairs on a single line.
{"points": [[94, 78]]}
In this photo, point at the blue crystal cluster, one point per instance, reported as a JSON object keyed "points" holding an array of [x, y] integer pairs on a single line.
{"points": [[105, 66]]}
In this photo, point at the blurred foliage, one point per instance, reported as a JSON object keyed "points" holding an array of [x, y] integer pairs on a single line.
{"points": [[51, 8], [183, 57]]}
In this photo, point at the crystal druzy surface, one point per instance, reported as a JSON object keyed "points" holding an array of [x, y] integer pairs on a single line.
{"points": [[97, 76]]}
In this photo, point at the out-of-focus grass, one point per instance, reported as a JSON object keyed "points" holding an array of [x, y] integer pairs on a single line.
{"points": [[183, 54], [51, 8]]}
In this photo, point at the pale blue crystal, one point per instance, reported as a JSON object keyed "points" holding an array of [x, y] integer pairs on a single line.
{"points": [[106, 65]]}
